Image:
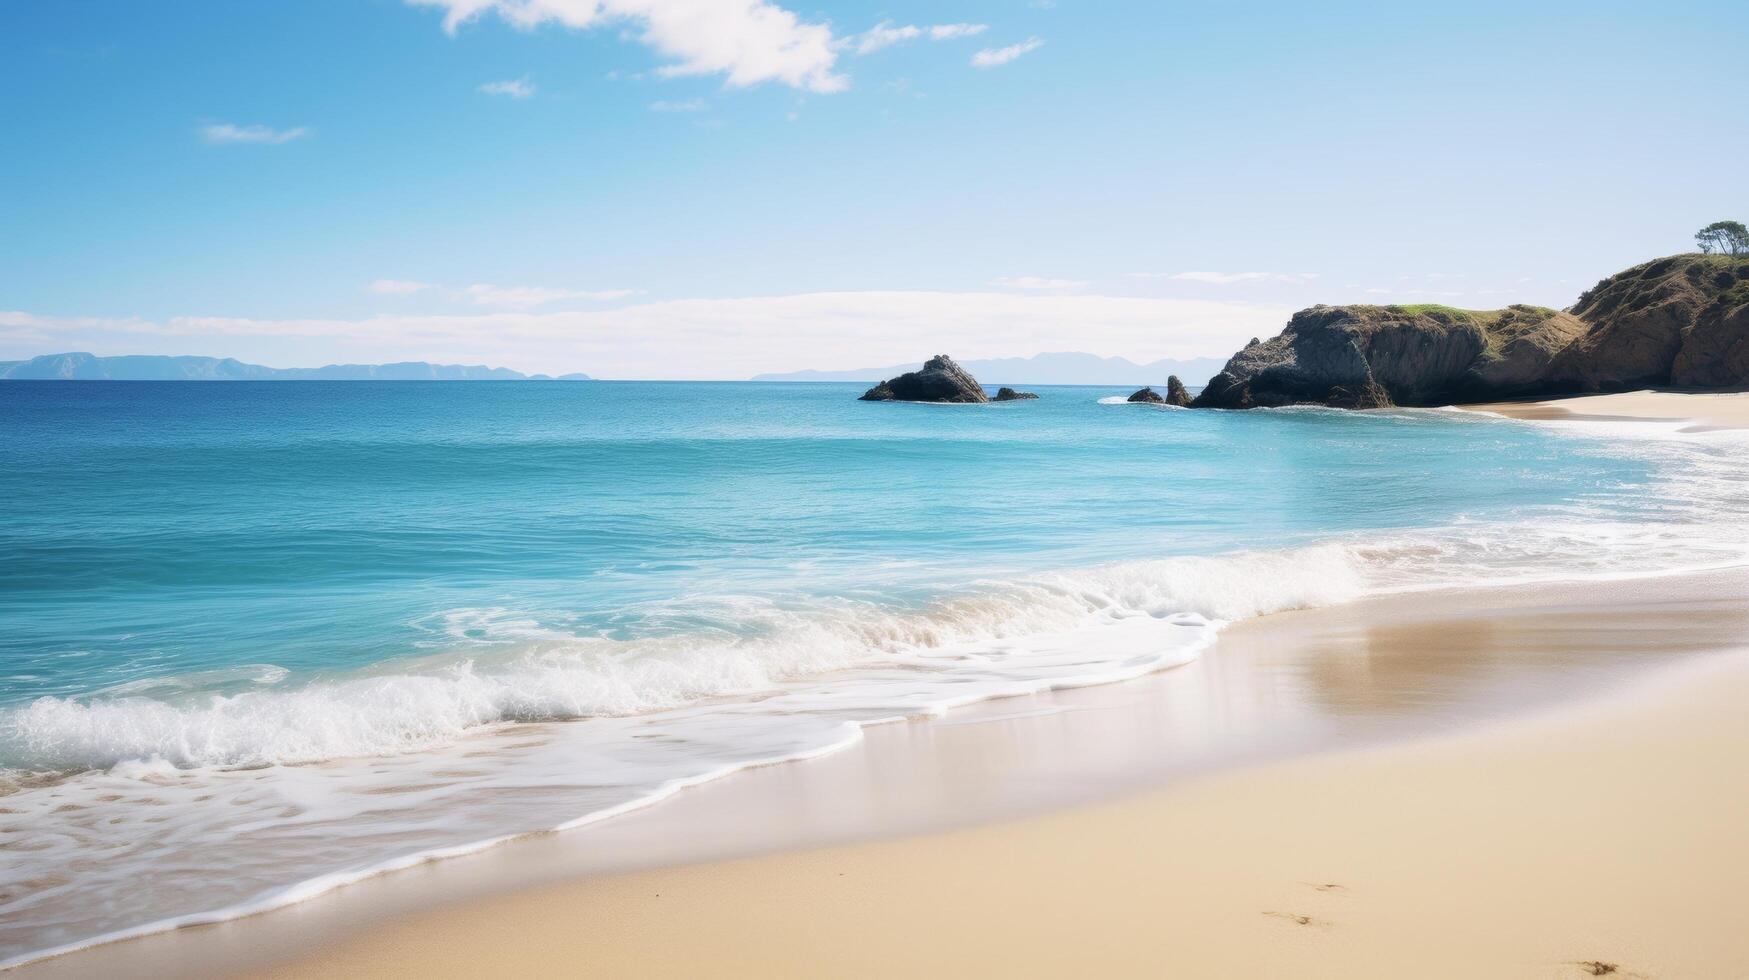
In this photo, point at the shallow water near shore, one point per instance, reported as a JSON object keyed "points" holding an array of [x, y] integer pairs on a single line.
{"points": [[326, 629]]}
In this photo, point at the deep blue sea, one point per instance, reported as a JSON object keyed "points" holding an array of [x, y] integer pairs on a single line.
{"points": [[306, 624]]}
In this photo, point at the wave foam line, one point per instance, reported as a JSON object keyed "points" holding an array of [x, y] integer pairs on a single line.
{"points": [[762, 646]]}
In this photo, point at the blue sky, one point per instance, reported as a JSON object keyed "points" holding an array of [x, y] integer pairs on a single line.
{"points": [[713, 188]]}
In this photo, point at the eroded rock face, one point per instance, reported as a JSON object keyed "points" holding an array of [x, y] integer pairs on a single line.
{"points": [[1522, 345], [1368, 356], [1010, 395], [1176, 394], [1674, 321], [1715, 352], [939, 380], [1147, 396]]}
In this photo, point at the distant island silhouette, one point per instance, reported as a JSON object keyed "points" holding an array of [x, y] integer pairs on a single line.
{"points": [[81, 366]]}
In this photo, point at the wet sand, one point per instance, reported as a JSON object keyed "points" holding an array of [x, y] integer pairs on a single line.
{"points": [[1377, 746]]}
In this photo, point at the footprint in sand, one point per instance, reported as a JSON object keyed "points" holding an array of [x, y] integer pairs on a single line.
{"points": [[1304, 920]]}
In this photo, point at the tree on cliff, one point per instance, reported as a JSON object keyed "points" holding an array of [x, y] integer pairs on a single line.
{"points": [[1724, 237]]}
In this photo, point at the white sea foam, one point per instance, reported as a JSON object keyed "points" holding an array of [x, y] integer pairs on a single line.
{"points": [[526, 674], [1125, 400]]}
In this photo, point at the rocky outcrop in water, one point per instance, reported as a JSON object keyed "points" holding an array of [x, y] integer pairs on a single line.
{"points": [[1147, 396], [1010, 395], [939, 380], [1680, 321], [1176, 394]]}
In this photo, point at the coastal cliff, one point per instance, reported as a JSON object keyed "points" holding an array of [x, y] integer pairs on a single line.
{"points": [[1681, 320]]}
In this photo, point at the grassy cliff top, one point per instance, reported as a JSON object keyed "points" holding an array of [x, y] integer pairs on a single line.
{"points": [[1451, 314], [1691, 277]]}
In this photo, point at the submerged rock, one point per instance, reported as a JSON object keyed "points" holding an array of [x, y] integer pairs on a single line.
{"points": [[1010, 395], [1147, 396], [939, 380]]}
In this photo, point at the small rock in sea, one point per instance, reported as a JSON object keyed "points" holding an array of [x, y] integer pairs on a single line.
{"points": [[1148, 396], [1010, 395], [1176, 393], [939, 380]]}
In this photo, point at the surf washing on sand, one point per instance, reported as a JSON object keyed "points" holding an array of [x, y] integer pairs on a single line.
{"points": [[263, 640]]}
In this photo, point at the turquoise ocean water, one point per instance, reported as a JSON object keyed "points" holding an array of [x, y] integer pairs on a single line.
{"points": [[323, 629]]}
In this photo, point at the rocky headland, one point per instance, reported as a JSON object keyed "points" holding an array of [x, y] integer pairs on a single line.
{"points": [[1680, 321]]}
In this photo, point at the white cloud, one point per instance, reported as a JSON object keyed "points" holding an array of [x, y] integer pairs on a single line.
{"points": [[948, 32], [693, 338], [516, 88], [397, 287], [992, 57], [884, 35], [230, 133], [689, 105], [1037, 283], [526, 297], [1228, 278], [880, 36], [747, 41]]}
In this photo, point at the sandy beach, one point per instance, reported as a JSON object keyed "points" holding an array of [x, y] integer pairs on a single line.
{"points": [[1533, 781], [1597, 841], [1703, 409]]}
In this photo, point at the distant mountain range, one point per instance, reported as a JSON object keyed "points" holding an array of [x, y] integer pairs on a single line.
{"points": [[1066, 368], [157, 367]]}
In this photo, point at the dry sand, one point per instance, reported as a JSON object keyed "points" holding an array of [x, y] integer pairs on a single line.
{"points": [[1610, 832], [1715, 410]]}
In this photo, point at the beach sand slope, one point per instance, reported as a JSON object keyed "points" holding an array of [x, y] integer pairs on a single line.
{"points": [[1605, 839]]}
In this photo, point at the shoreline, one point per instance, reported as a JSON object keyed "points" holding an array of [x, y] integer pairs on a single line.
{"points": [[1586, 840], [1395, 670]]}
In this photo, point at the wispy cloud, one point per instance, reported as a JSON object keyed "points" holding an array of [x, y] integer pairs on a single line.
{"points": [[992, 57], [397, 287], [885, 34], [880, 36], [515, 88], [1228, 278], [948, 32], [220, 133], [687, 105], [746, 41], [1039, 283]]}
